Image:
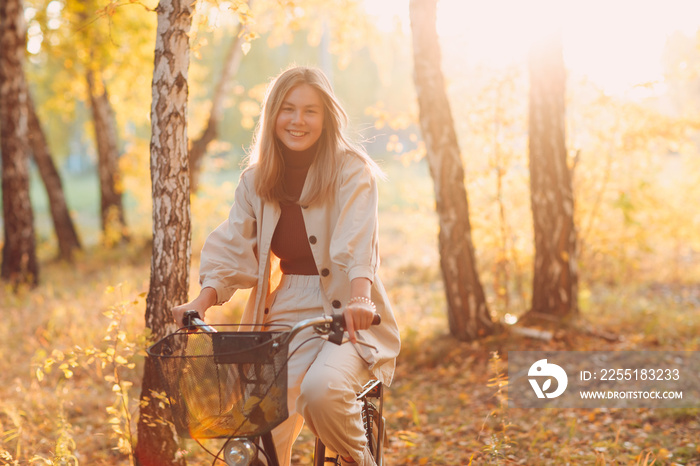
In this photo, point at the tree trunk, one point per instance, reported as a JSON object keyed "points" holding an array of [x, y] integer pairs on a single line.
{"points": [[468, 314], [111, 205], [170, 260], [68, 241], [198, 147], [19, 261], [552, 200]]}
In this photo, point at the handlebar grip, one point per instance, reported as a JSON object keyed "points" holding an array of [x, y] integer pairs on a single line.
{"points": [[192, 321], [340, 318], [189, 316]]}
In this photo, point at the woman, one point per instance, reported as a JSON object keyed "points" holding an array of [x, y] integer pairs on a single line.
{"points": [[307, 204]]}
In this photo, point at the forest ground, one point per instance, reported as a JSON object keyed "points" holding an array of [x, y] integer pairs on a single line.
{"points": [[443, 407], [73, 352]]}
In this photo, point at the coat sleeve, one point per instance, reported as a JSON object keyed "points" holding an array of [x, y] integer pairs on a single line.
{"points": [[354, 244], [229, 258]]}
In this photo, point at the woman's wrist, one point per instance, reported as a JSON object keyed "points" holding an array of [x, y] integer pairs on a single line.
{"points": [[207, 297], [363, 301]]}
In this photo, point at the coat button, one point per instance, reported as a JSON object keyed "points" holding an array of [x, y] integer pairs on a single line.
{"points": [[336, 304], [267, 310], [312, 239], [325, 272]]}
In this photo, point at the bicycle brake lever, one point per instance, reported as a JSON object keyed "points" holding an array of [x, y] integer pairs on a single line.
{"points": [[335, 330], [347, 340]]}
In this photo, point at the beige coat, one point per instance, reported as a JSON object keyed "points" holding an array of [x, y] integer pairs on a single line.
{"points": [[343, 239]]}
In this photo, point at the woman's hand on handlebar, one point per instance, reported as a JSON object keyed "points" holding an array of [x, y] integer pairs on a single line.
{"points": [[206, 299], [358, 316], [360, 309], [178, 312]]}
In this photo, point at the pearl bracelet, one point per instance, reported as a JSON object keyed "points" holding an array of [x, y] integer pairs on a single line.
{"points": [[363, 300]]}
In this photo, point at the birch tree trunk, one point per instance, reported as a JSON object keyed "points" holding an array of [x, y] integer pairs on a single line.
{"points": [[170, 260], [555, 284], [19, 261], [111, 204], [198, 147], [66, 235], [468, 314]]}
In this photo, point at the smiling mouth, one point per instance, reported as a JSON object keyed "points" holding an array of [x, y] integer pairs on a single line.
{"points": [[297, 134]]}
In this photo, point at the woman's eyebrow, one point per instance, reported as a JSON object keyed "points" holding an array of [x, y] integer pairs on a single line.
{"points": [[289, 104]]}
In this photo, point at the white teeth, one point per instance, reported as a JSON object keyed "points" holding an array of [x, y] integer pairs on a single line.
{"points": [[297, 133]]}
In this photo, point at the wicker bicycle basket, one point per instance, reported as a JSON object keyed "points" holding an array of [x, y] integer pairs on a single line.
{"points": [[224, 384]]}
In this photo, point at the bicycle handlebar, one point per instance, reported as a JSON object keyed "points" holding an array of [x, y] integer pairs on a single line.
{"points": [[191, 320], [332, 326]]}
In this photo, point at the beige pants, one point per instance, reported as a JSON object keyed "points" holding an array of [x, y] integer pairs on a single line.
{"points": [[323, 378]]}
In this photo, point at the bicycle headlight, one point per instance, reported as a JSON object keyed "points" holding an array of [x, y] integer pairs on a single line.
{"points": [[239, 452]]}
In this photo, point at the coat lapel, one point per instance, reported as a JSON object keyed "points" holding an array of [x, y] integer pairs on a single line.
{"points": [[269, 217]]}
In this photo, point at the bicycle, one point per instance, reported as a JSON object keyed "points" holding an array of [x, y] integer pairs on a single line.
{"points": [[233, 385]]}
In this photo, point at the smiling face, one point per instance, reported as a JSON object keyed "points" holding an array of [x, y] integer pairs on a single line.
{"points": [[299, 121]]}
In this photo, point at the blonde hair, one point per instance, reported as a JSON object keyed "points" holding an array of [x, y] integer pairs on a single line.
{"points": [[333, 146]]}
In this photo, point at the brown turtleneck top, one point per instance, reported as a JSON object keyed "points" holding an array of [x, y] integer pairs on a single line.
{"points": [[290, 242]]}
